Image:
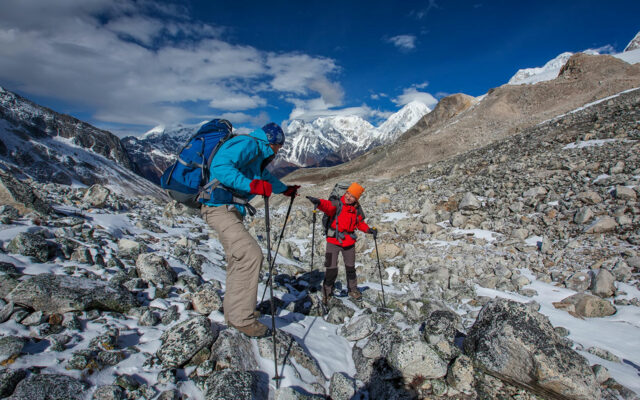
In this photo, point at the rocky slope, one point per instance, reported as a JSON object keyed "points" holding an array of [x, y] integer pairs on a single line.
{"points": [[503, 112], [42, 144], [501, 269]]}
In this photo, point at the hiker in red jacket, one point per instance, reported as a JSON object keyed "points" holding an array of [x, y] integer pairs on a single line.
{"points": [[345, 217]]}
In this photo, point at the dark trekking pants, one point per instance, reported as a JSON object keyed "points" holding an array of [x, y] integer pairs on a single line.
{"points": [[331, 266]]}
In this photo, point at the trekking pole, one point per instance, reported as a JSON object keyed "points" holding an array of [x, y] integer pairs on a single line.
{"points": [[313, 233], [380, 271], [277, 247], [273, 312]]}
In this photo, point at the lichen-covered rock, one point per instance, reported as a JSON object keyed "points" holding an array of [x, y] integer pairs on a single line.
{"points": [[184, 340], [31, 245], [130, 249], [511, 341], [109, 392], [460, 375], [9, 378], [153, 268], [97, 196], [21, 195], [237, 385], [10, 347], [60, 294], [358, 328], [342, 386], [233, 350], [206, 300], [49, 387], [417, 358]]}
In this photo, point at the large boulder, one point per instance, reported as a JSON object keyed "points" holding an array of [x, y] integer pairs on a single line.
{"points": [[9, 378], [153, 268], [49, 387], [182, 341], [587, 305], [97, 196], [21, 196], [518, 345], [60, 294], [233, 350], [417, 358], [31, 245], [239, 385], [603, 284], [10, 347]]}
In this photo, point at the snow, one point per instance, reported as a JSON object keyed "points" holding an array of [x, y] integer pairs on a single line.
{"points": [[489, 236], [588, 143], [394, 216]]}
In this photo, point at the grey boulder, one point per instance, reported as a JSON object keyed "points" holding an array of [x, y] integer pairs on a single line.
{"points": [[60, 294], [518, 345], [49, 387], [182, 341]]}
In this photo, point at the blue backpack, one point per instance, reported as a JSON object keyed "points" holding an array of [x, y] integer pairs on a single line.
{"points": [[187, 180]]}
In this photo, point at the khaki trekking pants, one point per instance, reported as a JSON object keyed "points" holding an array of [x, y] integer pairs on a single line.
{"points": [[244, 258]]}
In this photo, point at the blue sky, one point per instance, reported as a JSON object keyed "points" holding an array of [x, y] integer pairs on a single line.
{"points": [[127, 65]]}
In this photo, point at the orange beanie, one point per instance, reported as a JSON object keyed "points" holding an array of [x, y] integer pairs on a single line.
{"points": [[356, 190]]}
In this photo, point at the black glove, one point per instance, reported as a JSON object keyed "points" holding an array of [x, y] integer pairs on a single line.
{"points": [[314, 200], [374, 232], [291, 191]]}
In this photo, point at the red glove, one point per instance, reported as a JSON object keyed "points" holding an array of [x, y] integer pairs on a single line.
{"points": [[291, 190], [260, 187]]}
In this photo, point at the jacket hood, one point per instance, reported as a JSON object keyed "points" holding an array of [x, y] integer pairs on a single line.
{"points": [[260, 135]]}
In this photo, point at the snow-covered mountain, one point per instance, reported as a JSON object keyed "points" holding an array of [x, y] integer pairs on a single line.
{"points": [[330, 141], [155, 150], [38, 143], [550, 70]]}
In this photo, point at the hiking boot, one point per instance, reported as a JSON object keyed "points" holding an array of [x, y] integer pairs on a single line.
{"points": [[327, 293], [355, 295], [253, 330]]}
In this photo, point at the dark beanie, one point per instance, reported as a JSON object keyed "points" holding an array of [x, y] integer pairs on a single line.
{"points": [[275, 135]]}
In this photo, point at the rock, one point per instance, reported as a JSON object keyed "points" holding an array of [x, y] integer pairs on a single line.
{"points": [[49, 387], [130, 249], [586, 305], [233, 350], [535, 192], [184, 340], [469, 202], [7, 284], [580, 281], [61, 293], [441, 325], [602, 284], [589, 197], [460, 375], [97, 196], [518, 345], [342, 387], [583, 215], [602, 225], [10, 348], [153, 268], [31, 245], [338, 313], [604, 354], [520, 234], [358, 328], [237, 385], [206, 300], [387, 251], [109, 392], [625, 193], [21, 196], [457, 219], [9, 378], [416, 358]]}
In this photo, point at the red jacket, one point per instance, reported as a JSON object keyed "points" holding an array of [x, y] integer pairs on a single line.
{"points": [[347, 222]]}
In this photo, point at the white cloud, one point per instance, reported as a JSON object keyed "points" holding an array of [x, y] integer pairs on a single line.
{"points": [[240, 118], [310, 109], [403, 42], [132, 69], [412, 94]]}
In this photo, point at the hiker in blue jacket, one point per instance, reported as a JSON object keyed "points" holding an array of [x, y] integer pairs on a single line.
{"points": [[240, 166]]}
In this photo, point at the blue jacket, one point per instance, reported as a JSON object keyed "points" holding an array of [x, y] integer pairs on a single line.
{"points": [[239, 161]]}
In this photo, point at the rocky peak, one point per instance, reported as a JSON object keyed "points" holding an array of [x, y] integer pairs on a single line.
{"points": [[634, 43]]}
